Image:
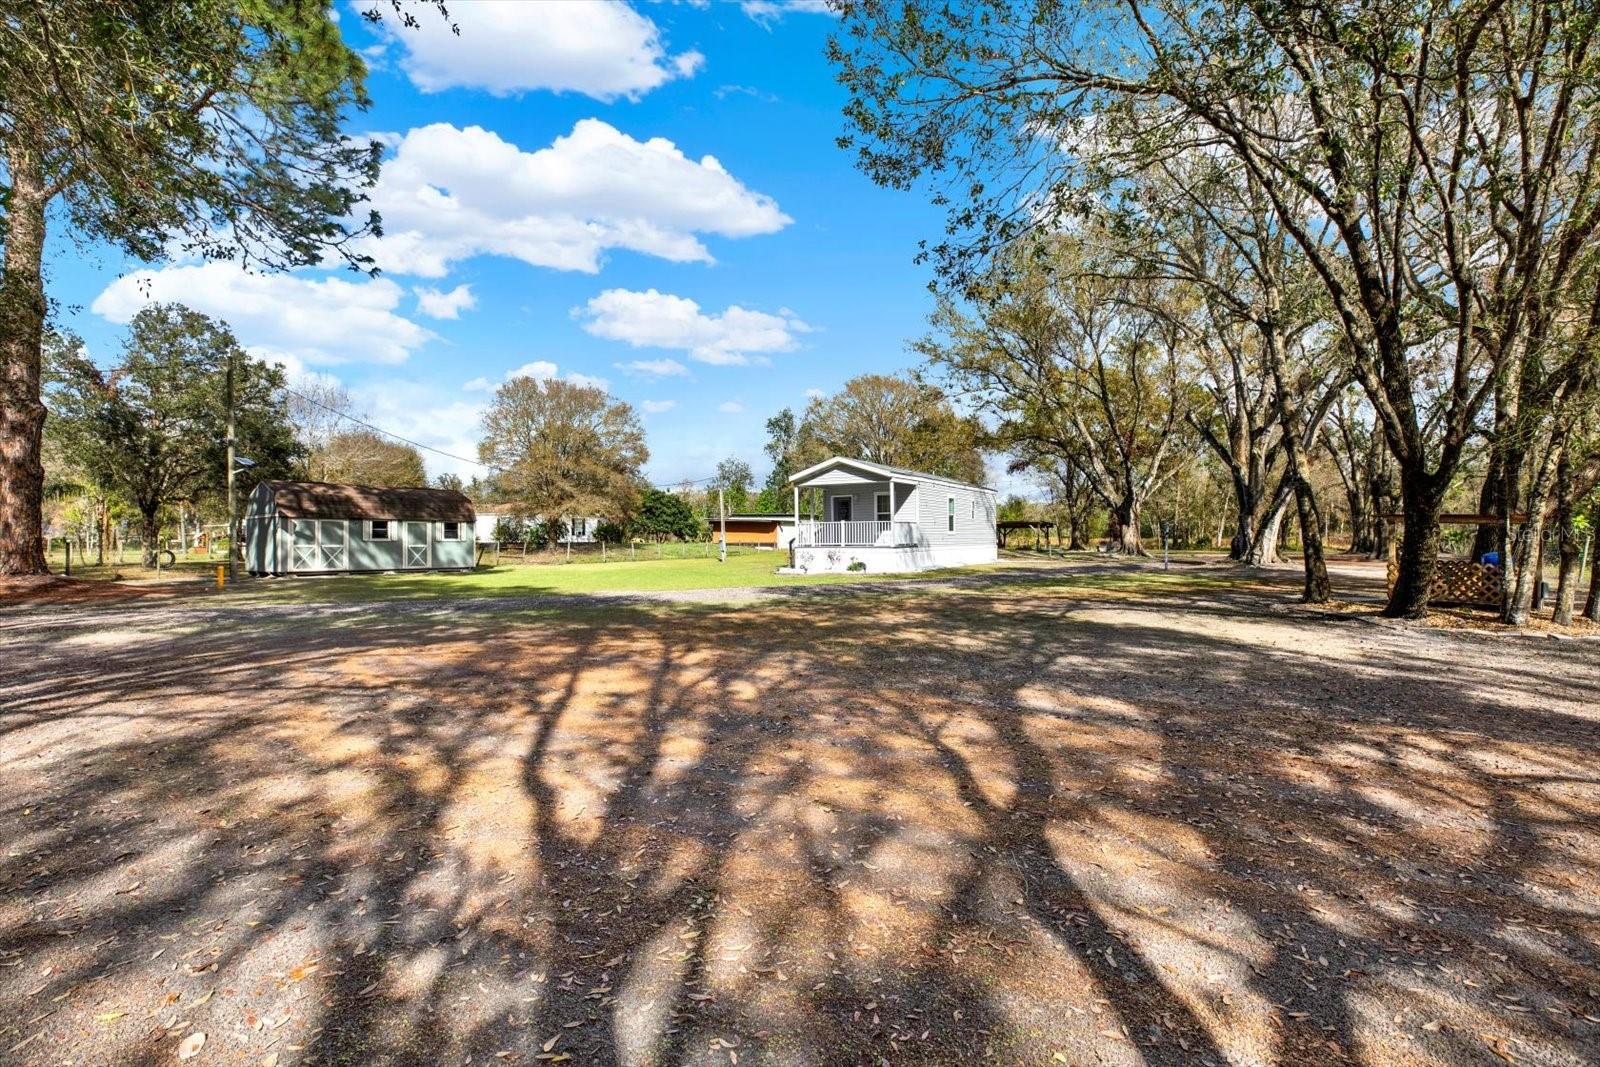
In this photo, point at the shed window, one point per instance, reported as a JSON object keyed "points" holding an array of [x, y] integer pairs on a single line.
{"points": [[378, 530], [452, 531], [950, 514], [580, 527]]}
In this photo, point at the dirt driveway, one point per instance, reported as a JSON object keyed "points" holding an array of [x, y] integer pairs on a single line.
{"points": [[1049, 819]]}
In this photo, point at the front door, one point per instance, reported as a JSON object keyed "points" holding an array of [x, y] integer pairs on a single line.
{"points": [[841, 509], [416, 542]]}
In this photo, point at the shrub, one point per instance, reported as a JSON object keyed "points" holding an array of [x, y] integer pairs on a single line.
{"points": [[856, 565]]}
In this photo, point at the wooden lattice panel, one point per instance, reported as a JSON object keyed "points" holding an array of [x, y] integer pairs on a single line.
{"points": [[1458, 581]]}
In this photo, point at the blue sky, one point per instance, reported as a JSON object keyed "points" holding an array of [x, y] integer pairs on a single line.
{"points": [[550, 208]]}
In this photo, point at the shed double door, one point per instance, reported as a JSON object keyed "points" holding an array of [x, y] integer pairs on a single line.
{"points": [[418, 550], [320, 545]]}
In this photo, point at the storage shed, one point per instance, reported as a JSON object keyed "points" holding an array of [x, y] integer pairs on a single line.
{"points": [[323, 528], [762, 531]]}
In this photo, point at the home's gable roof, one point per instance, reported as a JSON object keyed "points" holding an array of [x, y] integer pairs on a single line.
{"points": [[328, 500], [882, 471]]}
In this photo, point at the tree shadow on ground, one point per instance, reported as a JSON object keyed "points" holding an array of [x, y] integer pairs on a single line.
{"points": [[1032, 820]]}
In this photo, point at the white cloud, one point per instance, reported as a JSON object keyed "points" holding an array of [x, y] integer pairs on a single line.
{"points": [[813, 394], [438, 304], [413, 410], [449, 194], [730, 407], [770, 11], [659, 368], [656, 407], [660, 320], [588, 380], [539, 370], [601, 48], [295, 319]]}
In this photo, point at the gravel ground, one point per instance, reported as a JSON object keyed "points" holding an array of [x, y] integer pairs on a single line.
{"points": [[1033, 818]]}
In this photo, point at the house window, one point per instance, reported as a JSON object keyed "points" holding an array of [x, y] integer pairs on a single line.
{"points": [[950, 514], [378, 530], [884, 511], [580, 527], [452, 531]]}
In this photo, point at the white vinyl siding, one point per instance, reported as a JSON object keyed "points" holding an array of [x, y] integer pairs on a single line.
{"points": [[956, 514]]}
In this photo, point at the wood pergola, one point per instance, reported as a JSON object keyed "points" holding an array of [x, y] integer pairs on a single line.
{"points": [[1460, 581], [1038, 526]]}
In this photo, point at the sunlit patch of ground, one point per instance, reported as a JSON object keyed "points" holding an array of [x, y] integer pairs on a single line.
{"points": [[1066, 819]]}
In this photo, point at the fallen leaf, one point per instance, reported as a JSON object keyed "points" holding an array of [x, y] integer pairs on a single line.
{"points": [[190, 1046]]}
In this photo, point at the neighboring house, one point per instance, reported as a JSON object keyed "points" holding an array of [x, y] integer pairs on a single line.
{"points": [[581, 533], [888, 519], [762, 531], [323, 528]]}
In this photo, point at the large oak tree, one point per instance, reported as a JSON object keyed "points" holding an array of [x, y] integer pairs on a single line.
{"points": [[1435, 164], [210, 127]]}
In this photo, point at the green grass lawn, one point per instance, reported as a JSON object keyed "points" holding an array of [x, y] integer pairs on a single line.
{"points": [[645, 575], [129, 568]]}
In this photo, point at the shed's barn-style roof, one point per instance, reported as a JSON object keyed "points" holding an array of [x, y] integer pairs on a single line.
{"points": [[326, 500]]}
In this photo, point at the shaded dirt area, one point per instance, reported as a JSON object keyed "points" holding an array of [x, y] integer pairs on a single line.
{"points": [[55, 589], [1046, 820]]}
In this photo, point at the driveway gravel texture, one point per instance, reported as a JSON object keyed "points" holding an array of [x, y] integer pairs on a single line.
{"points": [[1038, 818]]}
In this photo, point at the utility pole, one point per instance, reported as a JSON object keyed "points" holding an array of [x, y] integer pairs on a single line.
{"points": [[233, 522], [722, 513]]}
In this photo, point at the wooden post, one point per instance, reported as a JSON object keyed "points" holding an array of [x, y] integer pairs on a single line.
{"points": [[233, 521], [67, 542], [722, 514]]}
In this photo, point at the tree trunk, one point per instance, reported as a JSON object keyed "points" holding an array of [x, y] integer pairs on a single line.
{"points": [[1591, 610], [1265, 551], [1316, 589], [150, 533], [1527, 550], [1419, 549], [1567, 577], [105, 531], [1125, 520], [22, 315]]}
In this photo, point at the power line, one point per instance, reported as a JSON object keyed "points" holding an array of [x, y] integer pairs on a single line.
{"points": [[451, 455], [391, 433]]}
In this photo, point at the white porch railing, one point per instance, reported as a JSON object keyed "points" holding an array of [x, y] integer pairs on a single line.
{"points": [[855, 534]]}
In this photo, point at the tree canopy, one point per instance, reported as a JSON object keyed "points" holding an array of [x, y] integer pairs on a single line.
{"points": [[564, 449], [153, 427], [892, 420], [210, 127], [362, 457], [1432, 166]]}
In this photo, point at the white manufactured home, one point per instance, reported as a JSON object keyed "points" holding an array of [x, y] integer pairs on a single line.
{"points": [[580, 529], [885, 519]]}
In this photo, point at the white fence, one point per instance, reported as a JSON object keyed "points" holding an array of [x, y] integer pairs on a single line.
{"points": [[856, 534]]}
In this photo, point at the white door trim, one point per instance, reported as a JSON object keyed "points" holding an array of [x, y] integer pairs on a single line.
{"points": [[418, 555]]}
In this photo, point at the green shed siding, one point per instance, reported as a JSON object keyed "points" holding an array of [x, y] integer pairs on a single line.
{"points": [[279, 544], [369, 555]]}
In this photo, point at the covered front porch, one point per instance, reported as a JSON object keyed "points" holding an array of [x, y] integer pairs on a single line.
{"points": [[853, 534]]}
